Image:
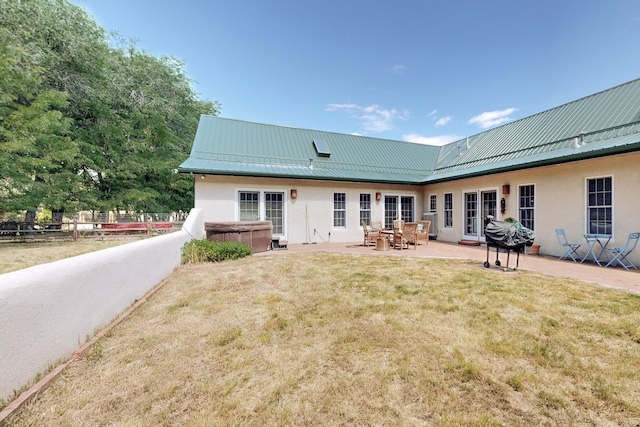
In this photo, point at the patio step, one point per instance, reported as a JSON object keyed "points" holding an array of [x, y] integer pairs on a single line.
{"points": [[469, 243]]}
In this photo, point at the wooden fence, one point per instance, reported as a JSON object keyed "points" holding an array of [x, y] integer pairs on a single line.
{"points": [[13, 231]]}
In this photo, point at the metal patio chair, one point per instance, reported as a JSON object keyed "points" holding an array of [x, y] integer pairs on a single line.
{"points": [[570, 249], [619, 254]]}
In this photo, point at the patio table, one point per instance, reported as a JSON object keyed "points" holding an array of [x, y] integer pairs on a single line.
{"points": [[602, 240]]}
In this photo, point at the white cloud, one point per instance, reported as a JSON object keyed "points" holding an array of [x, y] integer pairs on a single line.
{"points": [[373, 118], [431, 140], [443, 120], [433, 113], [492, 118], [398, 69]]}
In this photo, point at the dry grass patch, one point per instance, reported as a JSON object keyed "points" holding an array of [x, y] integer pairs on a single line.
{"points": [[16, 256], [333, 339]]}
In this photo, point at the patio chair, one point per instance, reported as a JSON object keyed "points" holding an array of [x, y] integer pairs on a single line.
{"points": [[410, 234], [398, 240], [423, 231], [619, 254], [370, 235], [570, 249], [376, 225]]}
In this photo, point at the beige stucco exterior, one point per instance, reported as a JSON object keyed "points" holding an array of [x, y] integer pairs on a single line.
{"points": [[560, 201], [308, 217]]}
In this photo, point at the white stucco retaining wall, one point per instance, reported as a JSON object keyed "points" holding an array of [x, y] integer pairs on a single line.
{"points": [[48, 311]]}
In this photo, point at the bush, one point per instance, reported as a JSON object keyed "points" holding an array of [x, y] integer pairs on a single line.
{"points": [[204, 250]]}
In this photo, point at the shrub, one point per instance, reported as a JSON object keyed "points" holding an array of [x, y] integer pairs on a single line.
{"points": [[204, 250]]}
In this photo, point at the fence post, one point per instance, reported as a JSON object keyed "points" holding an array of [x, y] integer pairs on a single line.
{"points": [[149, 227], [75, 230]]}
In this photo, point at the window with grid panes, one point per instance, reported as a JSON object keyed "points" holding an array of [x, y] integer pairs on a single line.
{"points": [[448, 210], [365, 209], [249, 205], [339, 210], [526, 204], [600, 205], [433, 203]]}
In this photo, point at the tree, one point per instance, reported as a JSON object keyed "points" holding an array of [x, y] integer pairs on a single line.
{"points": [[87, 121]]}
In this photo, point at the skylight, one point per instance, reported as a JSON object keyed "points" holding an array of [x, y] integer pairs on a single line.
{"points": [[321, 148]]}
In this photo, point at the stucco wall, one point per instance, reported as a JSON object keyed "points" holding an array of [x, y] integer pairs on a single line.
{"points": [[48, 311], [560, 199], [311, 210]]}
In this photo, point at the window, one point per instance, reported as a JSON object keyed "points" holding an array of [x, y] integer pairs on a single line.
{"points": [[249, 206], [448, 210], [600, 205], [526, 203], [365, 208], [263, 206], [339, 210], [433, 203]]}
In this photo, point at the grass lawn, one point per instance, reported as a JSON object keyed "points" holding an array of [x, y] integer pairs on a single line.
{"points": [[335, 339], [16, 256]]}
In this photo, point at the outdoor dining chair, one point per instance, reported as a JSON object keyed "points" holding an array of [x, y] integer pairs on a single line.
{"points": [[370, 235], [619, 254], [570, 249]]}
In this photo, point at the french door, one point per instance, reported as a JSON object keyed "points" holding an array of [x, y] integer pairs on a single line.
{"points": [[398, 207], [478, 206]]}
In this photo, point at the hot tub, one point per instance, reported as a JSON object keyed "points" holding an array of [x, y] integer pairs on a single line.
{"points": [[256, 234]]}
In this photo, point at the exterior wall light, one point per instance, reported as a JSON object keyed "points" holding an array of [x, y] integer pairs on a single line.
{"points": [[505, 190], [294, 193], [202, 177], [378, 196]]}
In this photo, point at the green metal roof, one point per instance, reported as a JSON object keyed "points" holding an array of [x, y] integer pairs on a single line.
{"points": [[601, 124], [606, 122], [234, 147]]}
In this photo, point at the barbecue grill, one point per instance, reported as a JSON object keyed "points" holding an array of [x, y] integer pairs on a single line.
{"points": [[506, 237]]}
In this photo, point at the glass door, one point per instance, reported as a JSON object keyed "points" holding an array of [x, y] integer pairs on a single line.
{"points": [[489, 207], [470, 231], [390, 210], [478, 206]]}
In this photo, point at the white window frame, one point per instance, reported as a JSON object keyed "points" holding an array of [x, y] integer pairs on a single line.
{"points": [[335, 210], [444, 210], [533, 209], [587, 227], [433, 202], [364, 210]]}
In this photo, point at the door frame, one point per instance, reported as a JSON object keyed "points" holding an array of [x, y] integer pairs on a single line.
{"points": [[479, 218]]}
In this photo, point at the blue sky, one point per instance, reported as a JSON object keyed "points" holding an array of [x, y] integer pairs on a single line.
{"points": [[429, 71]]}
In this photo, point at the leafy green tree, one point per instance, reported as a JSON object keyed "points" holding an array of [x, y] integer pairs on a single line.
{"points": [[88, 121]]}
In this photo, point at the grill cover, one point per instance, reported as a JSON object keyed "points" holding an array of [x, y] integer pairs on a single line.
{"points": [[510, 235]]}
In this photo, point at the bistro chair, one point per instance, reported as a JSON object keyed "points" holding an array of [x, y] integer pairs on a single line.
{"points": [[570, 249], [619, 254], [370, 235]]}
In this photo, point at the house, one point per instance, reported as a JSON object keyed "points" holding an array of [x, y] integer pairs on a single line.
{"points": [[574, 167]]}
